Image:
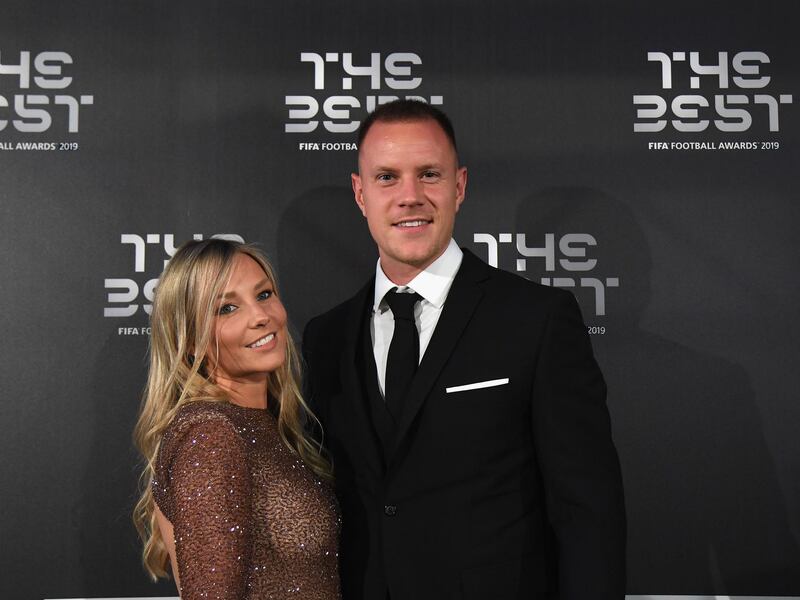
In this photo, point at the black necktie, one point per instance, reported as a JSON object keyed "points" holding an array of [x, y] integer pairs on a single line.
{"points": [[403, 351]]}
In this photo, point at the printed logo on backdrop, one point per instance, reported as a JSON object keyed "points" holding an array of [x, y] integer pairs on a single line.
{"points": [[709, 98], [566, 260], [41, 101], [329, 106], [130, 296]]}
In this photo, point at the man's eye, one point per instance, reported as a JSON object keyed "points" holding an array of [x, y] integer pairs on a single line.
{"points": [[385, 177], [264, 295], [430, 175], [226, 309]]}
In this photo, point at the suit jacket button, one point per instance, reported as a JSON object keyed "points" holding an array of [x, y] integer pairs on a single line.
{"points": [[390, 510]]}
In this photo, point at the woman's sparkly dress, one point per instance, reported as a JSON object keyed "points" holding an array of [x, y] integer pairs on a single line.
{"points": [[251, 520]]}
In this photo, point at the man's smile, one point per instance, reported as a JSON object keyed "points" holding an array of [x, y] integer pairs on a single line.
{"points": [[412, 222]]}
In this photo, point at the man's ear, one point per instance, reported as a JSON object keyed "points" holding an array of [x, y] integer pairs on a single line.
{"points": [[358, 192], [461, 186]]}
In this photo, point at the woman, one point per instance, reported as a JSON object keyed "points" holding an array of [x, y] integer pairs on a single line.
{"points": [[236, 494]]}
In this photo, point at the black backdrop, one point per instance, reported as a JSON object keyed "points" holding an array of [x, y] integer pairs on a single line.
{"points": [[680, 245]]}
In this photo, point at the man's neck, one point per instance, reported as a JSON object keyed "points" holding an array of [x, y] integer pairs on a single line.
{"points": [[401, 273]]}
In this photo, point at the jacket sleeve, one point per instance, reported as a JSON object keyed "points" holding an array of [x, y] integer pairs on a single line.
{"points": [[210, 488], [578, 460]]}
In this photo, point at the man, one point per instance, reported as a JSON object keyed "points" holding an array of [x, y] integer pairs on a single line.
{"points": [[485, 469]]}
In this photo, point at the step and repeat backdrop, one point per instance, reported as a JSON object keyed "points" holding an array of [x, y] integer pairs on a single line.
{"points": [[643, 156]]}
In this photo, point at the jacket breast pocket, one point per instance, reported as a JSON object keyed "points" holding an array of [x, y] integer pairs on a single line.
{"points": [[485, 414]]}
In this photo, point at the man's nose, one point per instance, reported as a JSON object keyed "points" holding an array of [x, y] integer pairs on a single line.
{"points": [[410, 192]]}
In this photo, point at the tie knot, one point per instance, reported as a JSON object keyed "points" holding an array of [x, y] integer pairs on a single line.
{"points": [[402, 305]]}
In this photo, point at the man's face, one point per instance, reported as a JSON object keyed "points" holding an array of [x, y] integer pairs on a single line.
{"points": [[409, 187]]}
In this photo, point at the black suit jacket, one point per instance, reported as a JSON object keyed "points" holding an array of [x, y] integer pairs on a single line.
{"points": [[501, 492]]}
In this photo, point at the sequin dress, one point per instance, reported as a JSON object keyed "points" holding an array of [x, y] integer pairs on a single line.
{"points": [[251, 521]]}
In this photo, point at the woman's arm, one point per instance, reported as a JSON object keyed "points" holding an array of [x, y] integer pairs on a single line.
{"points": [[209, 483]]}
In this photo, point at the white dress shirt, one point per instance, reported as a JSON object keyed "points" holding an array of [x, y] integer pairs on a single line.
{"points": [[432, 284]]}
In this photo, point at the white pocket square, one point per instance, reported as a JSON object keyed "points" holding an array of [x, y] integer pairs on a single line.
{"points": [[477, 386]]}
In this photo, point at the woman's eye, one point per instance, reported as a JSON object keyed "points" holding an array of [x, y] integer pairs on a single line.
{"points": [[264, 295], [226, 309]]}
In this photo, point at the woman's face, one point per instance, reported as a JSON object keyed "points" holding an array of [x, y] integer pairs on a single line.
{"points": [[250, 326]]}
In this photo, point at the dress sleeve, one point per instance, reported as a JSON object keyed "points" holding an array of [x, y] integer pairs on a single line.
{"points": [[210, 489]]}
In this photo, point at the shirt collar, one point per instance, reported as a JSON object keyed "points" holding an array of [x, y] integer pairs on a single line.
{"points": [[432, 284]]}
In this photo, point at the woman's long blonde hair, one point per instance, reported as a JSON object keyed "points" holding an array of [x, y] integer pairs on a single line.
{"points": [[182, 329]]}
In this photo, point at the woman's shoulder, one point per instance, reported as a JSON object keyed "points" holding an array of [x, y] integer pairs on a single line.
{"points": [[202, 410], [201, 440], [200, 416]]}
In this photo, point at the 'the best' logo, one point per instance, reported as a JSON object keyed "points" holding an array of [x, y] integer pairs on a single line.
{"points": [[342, 112], [740, 85], [37, 92]]}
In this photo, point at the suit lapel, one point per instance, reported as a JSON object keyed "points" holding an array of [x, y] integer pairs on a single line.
{"points": [[462, 300], [353, 370]]}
